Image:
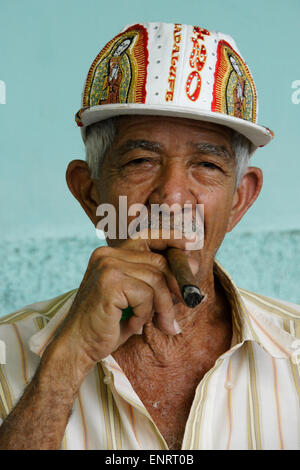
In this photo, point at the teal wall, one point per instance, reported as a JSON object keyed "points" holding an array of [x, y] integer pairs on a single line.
{"points": [[46, 49]]}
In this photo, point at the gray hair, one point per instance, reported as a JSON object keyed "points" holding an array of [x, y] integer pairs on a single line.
{"points": [[100, 136]]}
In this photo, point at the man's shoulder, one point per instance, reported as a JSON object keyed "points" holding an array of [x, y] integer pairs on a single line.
{"points": [[18, 359], [268, 305], [17, 328], [45, 310]]}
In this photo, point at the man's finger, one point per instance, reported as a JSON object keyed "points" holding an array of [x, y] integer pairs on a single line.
{"points": [[156, 260]]}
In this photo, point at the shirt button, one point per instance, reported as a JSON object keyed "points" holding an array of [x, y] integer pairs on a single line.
{"points": [[228, 384], [296, 357], [107, 379], [296, 354]]}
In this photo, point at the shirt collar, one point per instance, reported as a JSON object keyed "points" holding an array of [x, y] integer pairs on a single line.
{"points": [[250, 322], [253, 320]]}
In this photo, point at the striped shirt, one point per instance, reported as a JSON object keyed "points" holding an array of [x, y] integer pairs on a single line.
{"points": [[249, 399]]}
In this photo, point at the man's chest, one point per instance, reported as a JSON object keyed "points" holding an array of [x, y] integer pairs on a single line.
{"points": [[166, 387], [169, 409], [168, 396]]}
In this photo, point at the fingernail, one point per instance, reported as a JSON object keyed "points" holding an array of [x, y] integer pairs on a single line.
{"points": [[194, 265], [177, 327]]}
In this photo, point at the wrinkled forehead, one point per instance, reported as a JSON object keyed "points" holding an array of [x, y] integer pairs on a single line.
{"points": [[161, 126]]}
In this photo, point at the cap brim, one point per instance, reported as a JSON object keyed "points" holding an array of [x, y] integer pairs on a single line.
{"points": [[259, 136]]}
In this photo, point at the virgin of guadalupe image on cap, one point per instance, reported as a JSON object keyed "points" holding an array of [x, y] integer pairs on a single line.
{"points": [[234, 92], [238, 92], [118, 67], [118, 73]]}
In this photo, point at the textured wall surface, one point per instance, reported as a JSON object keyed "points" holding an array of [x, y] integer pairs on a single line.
{"points": [[34, 270], [45, 53]]}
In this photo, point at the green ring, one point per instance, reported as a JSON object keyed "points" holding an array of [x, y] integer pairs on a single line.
{"points": [[126, 313]]}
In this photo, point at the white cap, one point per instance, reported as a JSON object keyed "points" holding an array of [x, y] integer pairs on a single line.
{"points": [[174, 70]]}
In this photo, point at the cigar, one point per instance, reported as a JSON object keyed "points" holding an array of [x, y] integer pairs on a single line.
{"points": [[180, 267]]}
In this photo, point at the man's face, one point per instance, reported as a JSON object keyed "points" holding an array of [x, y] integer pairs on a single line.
{"points": [[156, 160]]}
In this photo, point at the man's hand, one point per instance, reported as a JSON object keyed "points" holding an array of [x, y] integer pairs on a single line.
{"points": [[115, 278]]}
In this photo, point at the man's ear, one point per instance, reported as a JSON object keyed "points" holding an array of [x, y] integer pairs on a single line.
{"points": [[83, 187], [245, 195]]}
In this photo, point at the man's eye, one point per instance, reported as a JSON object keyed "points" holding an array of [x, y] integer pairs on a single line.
{"points": [[138, 161], [209, 165]]}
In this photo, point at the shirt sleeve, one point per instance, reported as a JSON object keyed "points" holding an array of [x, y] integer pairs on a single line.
{"points": [[18, 364]]}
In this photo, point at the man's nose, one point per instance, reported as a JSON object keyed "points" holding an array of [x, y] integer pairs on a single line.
{"points": [[173, 186]]}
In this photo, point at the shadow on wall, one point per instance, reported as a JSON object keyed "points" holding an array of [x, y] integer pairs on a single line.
{"points": [[267, 263]]}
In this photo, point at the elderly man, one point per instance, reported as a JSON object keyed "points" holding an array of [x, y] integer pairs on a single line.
{"points": [[221, 375]]}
